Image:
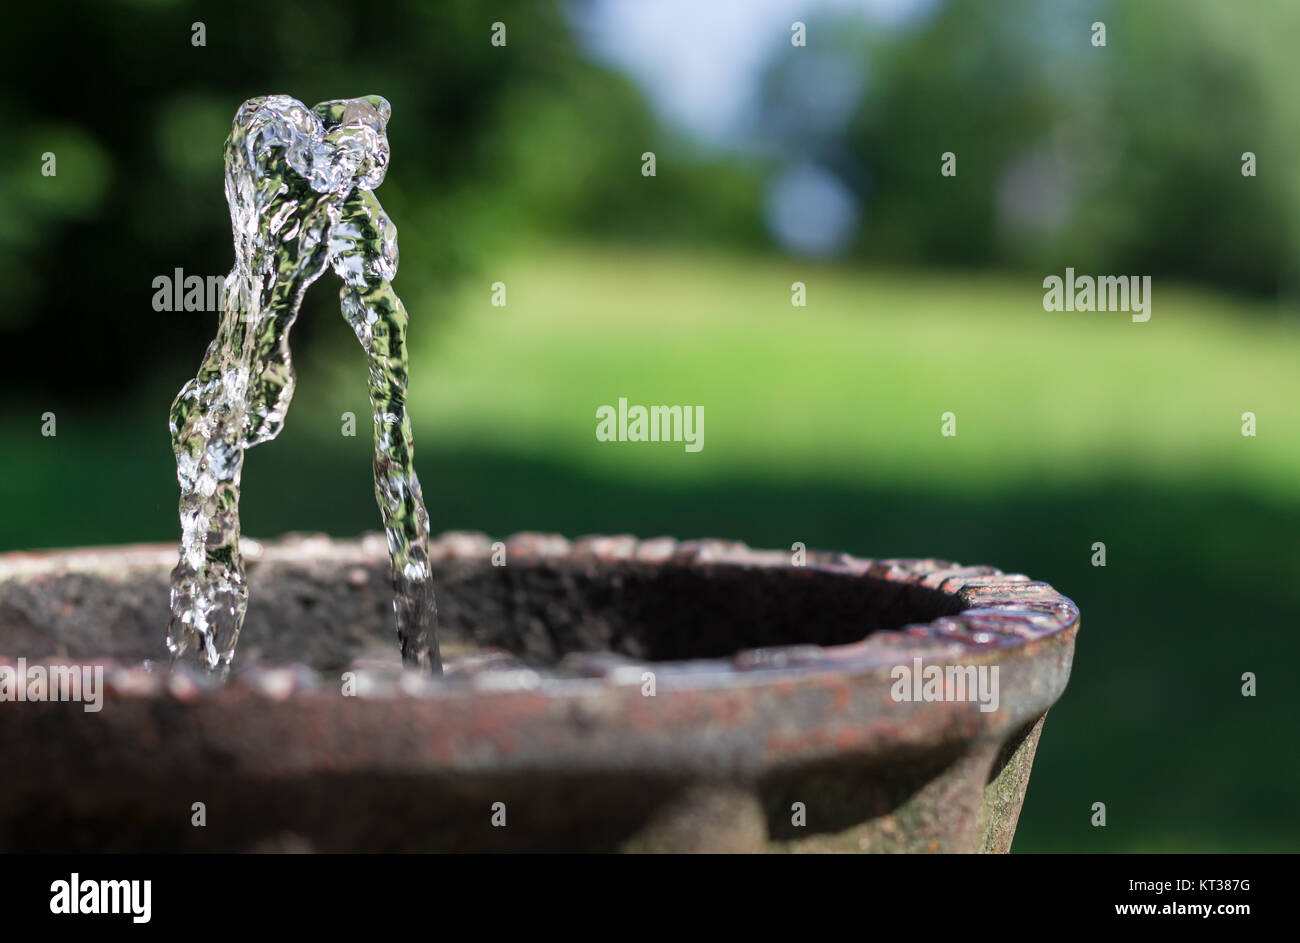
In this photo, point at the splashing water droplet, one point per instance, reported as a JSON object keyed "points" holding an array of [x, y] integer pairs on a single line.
{"points": [[299, 184]]}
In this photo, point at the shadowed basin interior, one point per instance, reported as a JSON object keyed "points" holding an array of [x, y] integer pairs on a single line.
{"points": [[329, 611]]}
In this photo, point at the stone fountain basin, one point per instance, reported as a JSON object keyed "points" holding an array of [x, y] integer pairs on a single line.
{"points": [[772, 696]]}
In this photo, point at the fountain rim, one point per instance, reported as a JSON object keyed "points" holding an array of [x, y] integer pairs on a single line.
{"points": [[1001, 615], [756, 709]]}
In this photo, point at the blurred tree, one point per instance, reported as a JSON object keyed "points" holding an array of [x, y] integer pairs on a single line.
{"points": [[487, 141], [1124, 158]]}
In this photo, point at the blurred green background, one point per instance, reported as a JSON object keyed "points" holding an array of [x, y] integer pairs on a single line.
{"points": [[775, 164]]}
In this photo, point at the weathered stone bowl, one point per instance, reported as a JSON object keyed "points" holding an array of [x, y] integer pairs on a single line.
{"points": [[605, 694]]}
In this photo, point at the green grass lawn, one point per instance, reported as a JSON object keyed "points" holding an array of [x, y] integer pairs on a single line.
{"points": [[853, 385], [822, 425]]}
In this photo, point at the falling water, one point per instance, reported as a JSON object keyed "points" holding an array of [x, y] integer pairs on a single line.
{"points": [[299, 182]]}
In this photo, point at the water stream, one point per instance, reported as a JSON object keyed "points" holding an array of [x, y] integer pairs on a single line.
{"points": [[300, 184]]}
